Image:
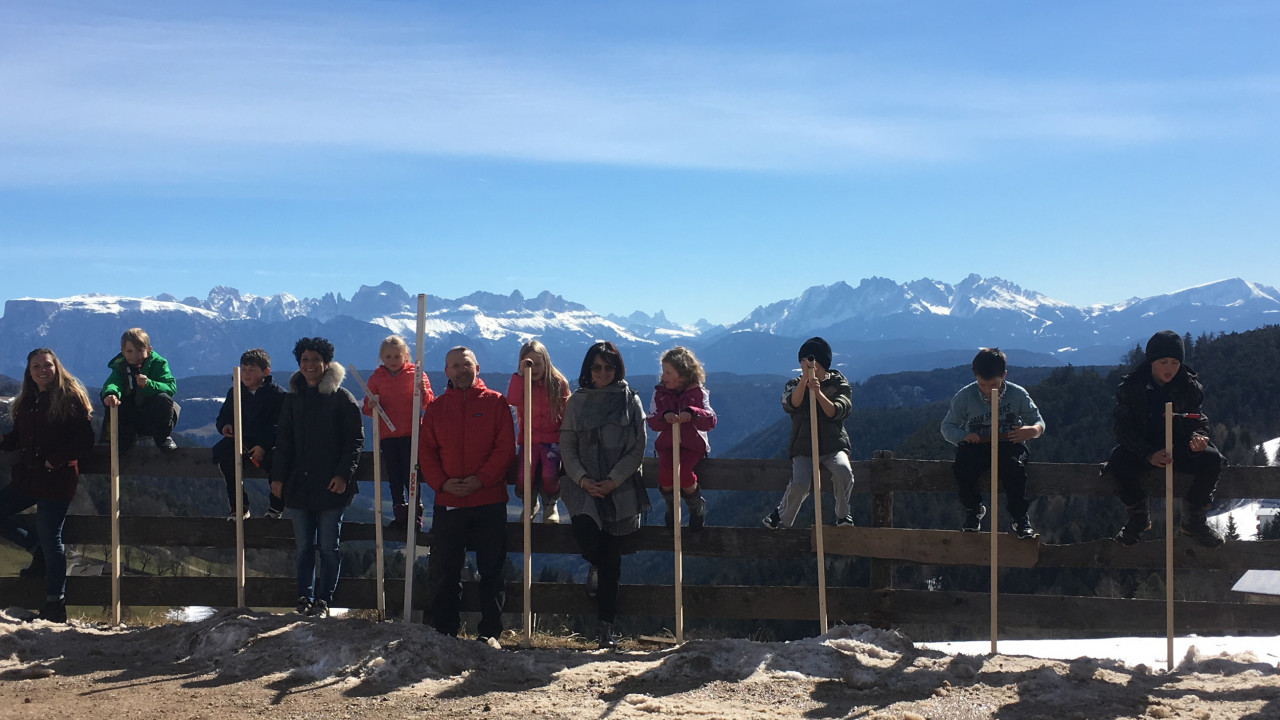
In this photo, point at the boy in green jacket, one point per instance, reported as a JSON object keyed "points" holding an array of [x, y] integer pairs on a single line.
{"points": [[142, 387]]}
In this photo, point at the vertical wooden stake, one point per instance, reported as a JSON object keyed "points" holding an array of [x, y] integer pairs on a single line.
{"points": [[995, 515], [115, 515], [526, 428], [378, 553], [411, 534], [237, 440], [675, 513], [379, 574], [1168, 532], [817, 506]]}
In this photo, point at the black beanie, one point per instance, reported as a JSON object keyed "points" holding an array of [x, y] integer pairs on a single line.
{"points": [[819, 349], [1165, 344]]}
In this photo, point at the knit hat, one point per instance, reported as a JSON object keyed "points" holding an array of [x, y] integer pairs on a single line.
{"points": [[1165, 344], [819, 349]]}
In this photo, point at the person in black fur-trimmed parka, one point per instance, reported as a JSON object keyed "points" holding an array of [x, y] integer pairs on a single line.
{"points": [[318, 444]]}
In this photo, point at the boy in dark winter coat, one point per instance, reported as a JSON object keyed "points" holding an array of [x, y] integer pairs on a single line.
{"points": [[141, 385], [1140, 448], [835, 401], [260, 401]]}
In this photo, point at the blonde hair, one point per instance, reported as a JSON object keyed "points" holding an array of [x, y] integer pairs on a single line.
{"points": [[397, 342], [136, 336], [681, 359], [553, 378], [67, 397]]}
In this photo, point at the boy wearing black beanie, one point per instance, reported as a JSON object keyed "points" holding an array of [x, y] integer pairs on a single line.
{"points": [[835, 401], [1140, 448]]}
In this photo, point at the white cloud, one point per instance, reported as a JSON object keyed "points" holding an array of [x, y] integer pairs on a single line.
{"points": [[109, 98]]}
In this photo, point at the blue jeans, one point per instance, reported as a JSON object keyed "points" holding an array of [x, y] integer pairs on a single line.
{"points": [[317, 530], [50, 515]]}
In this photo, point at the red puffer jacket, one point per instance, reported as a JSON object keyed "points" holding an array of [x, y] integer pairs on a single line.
{"points": [[395, 395], [467, 432]]}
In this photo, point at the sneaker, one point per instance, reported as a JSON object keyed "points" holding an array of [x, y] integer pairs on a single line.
{"points": [[231, 516], [973, 519], [274, 514], [1023, 529], [166, 444], [1131, 533], [773, 521], [846, 521], [319, 609], [304, 606], [593, 581]]}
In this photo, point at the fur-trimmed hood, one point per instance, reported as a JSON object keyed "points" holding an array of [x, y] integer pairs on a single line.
{"points": [[329, 382]]}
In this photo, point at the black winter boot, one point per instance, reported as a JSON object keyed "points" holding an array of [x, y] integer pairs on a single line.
{"points": [[604, 636], [53, 611], [668, 497], [1138, 523], [697, 508], [1195, 523], [36, 569]]}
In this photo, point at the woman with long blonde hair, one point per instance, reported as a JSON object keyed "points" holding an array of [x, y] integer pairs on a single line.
{"points": [[550, 393], [51, 432]]}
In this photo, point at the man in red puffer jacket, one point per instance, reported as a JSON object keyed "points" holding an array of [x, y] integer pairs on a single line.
{"points": [[465, 446]]}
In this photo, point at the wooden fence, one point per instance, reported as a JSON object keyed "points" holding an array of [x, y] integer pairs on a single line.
{"points": [[961, 613]]}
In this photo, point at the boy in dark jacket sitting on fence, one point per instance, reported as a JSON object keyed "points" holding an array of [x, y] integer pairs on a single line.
{"points": [[260, 401], [1140, 448]]}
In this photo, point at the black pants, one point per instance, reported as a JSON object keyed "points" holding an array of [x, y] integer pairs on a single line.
{"points": [[1129, 471], [397, 464], [154, 416], [455, 531], [222, 455], [973, 459], [605, 552]]}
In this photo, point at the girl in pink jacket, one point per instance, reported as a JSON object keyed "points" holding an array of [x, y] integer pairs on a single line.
{"points": [[550, 393], [391, 386], [681, 397]]}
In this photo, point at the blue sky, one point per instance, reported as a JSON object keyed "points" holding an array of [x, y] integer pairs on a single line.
{"points": [[701, 158]]}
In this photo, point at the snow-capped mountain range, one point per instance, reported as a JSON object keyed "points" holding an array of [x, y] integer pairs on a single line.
{"points": [[877, 326]]}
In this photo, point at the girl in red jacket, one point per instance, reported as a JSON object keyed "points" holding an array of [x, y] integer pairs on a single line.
{"points": [[391, 386], [550, 393], [681, 397]]}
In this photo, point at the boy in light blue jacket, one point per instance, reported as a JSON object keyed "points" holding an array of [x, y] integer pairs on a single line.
{"points": [[968, 426]]}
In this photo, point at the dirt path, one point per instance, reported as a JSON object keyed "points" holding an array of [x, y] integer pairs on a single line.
{"points": [[252, 665]]}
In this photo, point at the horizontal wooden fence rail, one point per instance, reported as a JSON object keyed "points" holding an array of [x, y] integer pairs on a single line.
{"points": [[878, 476], [884, 543]]}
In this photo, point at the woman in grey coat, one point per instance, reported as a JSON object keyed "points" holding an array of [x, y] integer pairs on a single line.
{"points": [[602, 442]]}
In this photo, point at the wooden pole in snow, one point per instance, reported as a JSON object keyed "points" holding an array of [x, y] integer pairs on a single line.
{"points": [[817, 500], [411, 533], [237, 440], [526, 428], [1168, 532], [995, 516], [675, 513], [115, 514]]}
